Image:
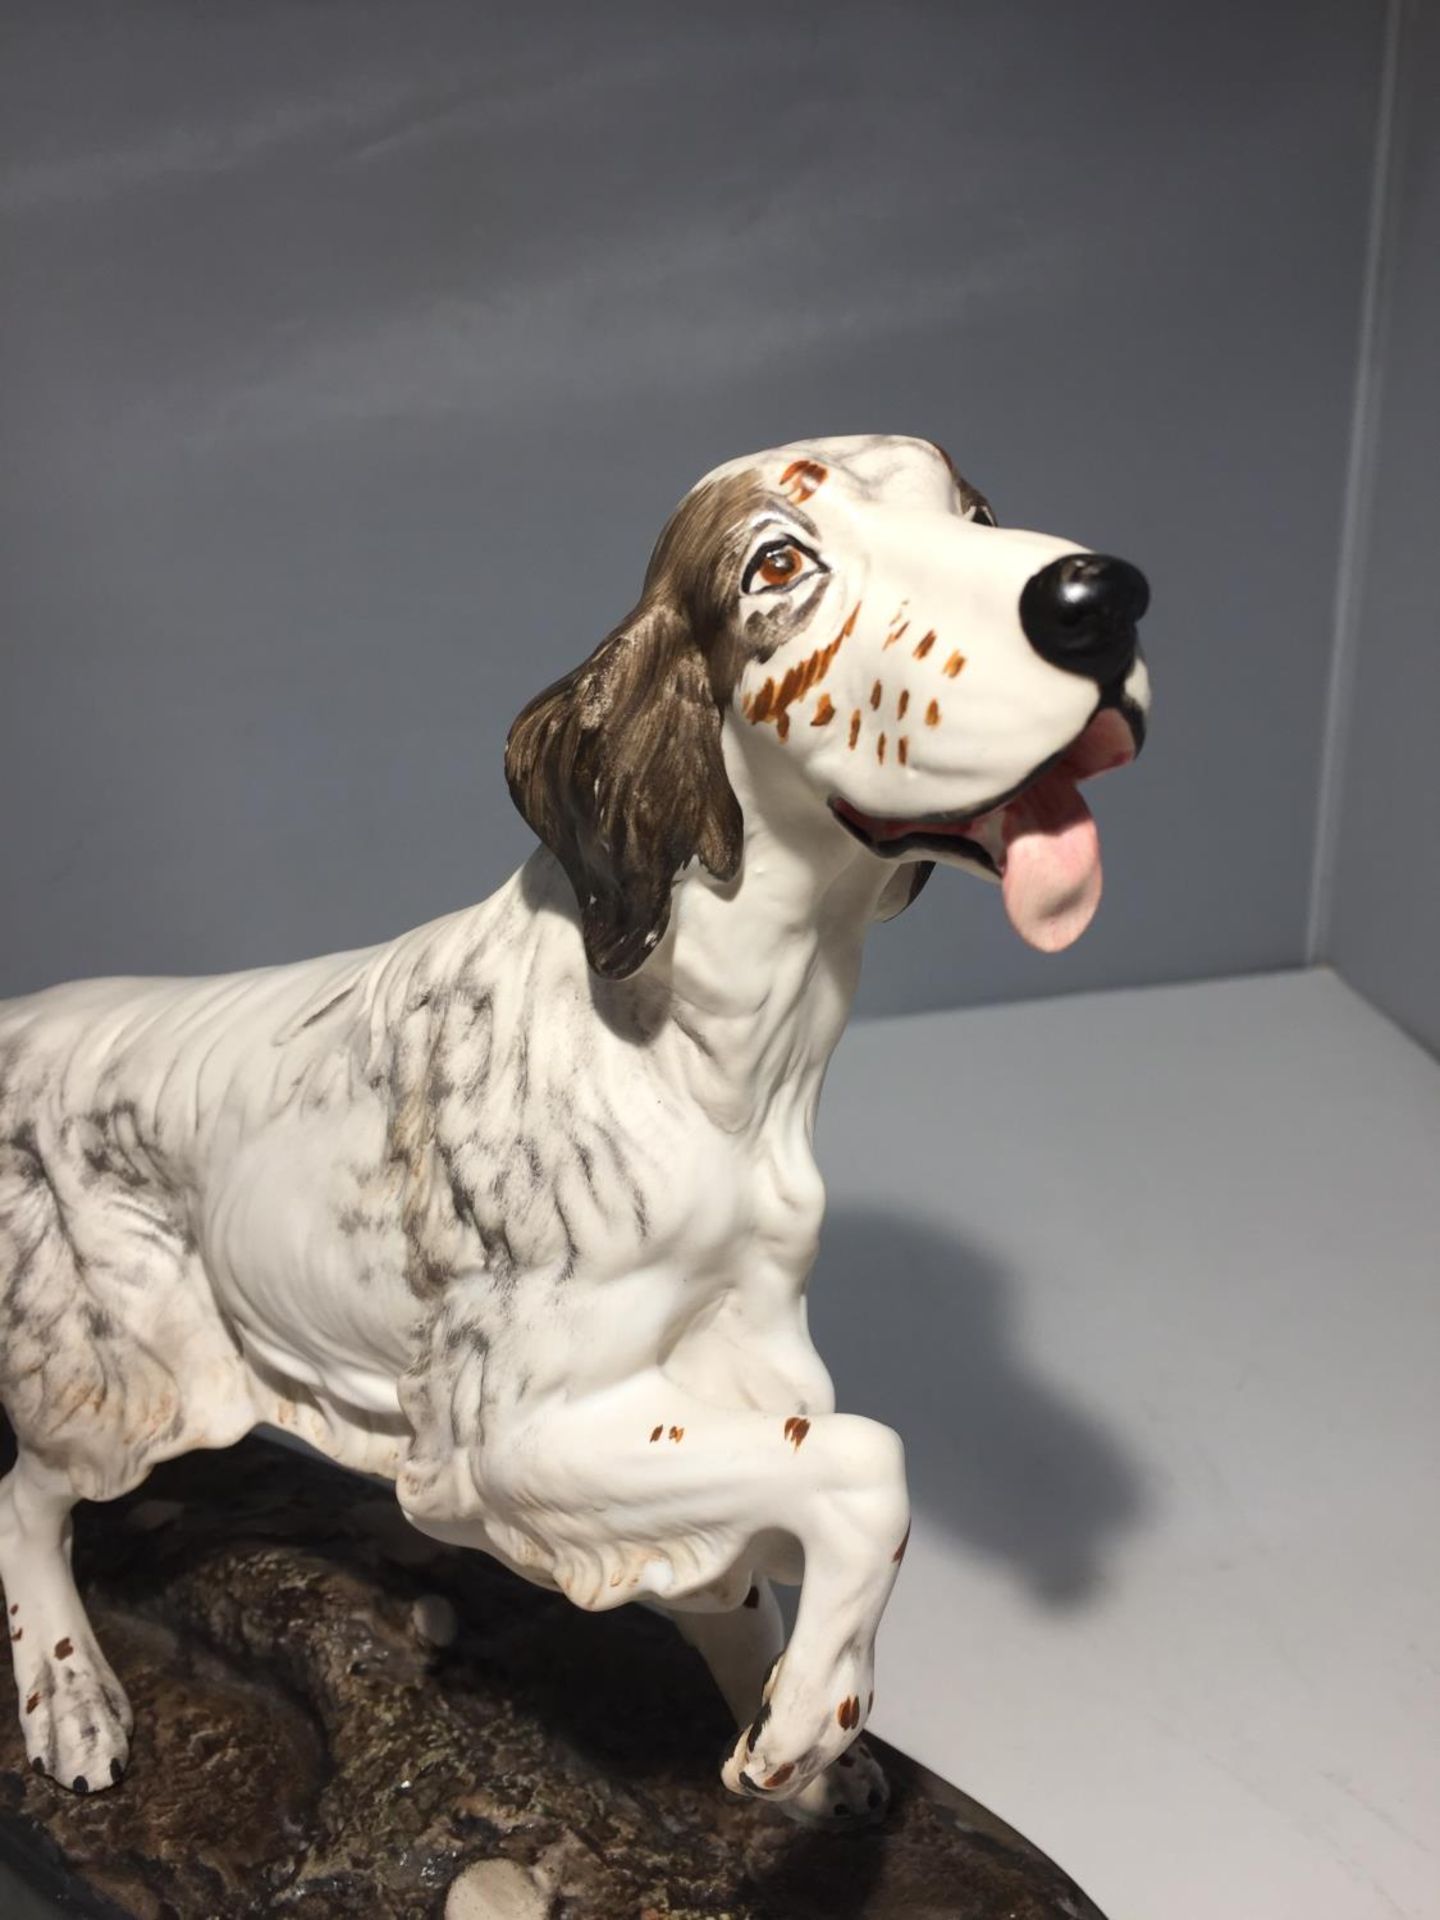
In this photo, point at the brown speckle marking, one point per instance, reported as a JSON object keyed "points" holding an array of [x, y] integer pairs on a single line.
{"points": [[17, 1633], [64, 1648], [16, 1607], [892, 639], [902, 748], [771, 701], [932, 714], [780, 1776], [954, 664], [752, 1598], [677, 1434], [796, 1429], [899, 1553], [902, 703], [877, 693], [657, 1433], [922, 647], [854, 726], [801, 478], [32, 1703], [880, 749], [848, 1712], [824, 711]]}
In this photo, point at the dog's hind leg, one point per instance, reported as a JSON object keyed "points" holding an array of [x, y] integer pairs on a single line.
{"points": [[98, 1294], [73, 1711], [741, 1647]]}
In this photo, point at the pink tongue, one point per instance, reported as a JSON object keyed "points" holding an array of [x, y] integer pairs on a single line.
{"points": [[1051, 883]]}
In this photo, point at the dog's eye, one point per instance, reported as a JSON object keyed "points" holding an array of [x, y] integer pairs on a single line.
{"points": [[780, 564], [779, 569]]}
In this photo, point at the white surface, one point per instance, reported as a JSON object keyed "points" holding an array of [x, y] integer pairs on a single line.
{"points": [[1149, 1283]]}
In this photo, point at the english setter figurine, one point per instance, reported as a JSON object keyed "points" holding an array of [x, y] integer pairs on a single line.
{"points": [[518, 1210]]}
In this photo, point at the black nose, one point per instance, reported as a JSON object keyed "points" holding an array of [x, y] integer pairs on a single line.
{"points": [[1079, 613]]}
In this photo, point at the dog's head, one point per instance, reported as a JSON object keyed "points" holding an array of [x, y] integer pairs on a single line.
{"points": [[937, 688]]}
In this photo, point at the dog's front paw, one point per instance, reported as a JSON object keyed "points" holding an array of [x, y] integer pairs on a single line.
{"points": [[853, 1792], [787, 1748]]}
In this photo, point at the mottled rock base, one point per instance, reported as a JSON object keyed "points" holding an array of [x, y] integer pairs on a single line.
{"points": [[303, 1746]]}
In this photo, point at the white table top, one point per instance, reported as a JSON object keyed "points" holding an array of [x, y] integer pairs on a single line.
{"points": [[1150, 1282]]}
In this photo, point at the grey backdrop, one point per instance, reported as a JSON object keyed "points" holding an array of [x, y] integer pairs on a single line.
{"points": [[1383, 928], [354, 353]]}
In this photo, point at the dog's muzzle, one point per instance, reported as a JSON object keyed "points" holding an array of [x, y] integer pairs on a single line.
{"points": [[1080, 614]]}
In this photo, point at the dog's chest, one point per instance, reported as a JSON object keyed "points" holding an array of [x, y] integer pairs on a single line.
{"points": [[590, 1199], [557, 1143]]}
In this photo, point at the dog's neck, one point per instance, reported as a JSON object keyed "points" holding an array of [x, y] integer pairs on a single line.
{"points": [[761, 972]]}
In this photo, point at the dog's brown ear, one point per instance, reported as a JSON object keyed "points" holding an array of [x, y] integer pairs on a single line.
{"points": [[618, 768]]}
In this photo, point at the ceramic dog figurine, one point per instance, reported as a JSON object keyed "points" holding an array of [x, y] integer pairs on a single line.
{"points": [[518, 1210]]}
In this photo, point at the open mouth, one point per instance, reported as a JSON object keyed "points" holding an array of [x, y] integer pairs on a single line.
{"points": [[1039, 840]]}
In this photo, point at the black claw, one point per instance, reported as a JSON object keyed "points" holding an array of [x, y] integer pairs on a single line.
{"points": [[117, 1772], [873, 1798], [81, 1784], [38, 1764], [751, 1785]]}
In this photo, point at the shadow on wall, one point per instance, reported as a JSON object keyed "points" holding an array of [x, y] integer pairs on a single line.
{"points": [[917, 1328]]}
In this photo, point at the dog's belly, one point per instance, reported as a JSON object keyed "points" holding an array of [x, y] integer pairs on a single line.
{"points": [[306, 1255]]}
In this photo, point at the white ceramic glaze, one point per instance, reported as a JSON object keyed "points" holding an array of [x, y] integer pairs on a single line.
{"points": [[518, 1210]]}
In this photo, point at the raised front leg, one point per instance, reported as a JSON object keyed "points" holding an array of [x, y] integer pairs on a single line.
{"points": [[741, 1647], [645, 1490]]}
